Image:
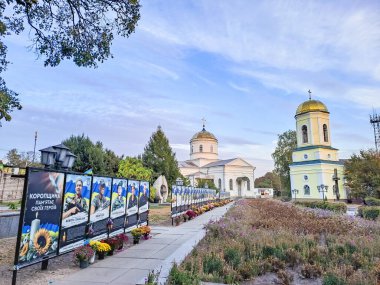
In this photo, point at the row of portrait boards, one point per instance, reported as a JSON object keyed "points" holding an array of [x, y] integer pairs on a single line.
{"points": [[184, 197], [61, 211]]}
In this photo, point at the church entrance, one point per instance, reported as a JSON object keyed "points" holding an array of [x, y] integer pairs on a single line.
{"points": [[242, 183]]}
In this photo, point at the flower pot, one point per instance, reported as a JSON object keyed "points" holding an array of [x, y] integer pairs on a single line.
{"points": [[92, 259], [101, 255], [136, 240], [146, 236], [111, 252], [121, 246], [83, 263]]}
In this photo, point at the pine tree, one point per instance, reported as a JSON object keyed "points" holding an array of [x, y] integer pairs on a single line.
{"points": [[159, 157]]}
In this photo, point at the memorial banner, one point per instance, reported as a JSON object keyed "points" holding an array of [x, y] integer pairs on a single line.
{"points": [[100, 207], [132, 205], [76, 204], [118, 205], [143, 202], [41, 217], [174, 201]]}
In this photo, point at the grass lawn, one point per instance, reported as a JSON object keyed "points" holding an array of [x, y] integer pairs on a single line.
{"points": [[293, 245]]}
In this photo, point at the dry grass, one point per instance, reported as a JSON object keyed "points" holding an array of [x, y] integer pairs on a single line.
{"points": [[257, 237]]}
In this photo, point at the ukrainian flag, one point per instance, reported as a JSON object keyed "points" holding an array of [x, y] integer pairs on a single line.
{"points": [[89, 171]]}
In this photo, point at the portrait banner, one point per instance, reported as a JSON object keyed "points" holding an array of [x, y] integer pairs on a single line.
{"points": [[100, 207], [76, 205], [40, 222], [144, 196], [131, 220], [118, 206]]}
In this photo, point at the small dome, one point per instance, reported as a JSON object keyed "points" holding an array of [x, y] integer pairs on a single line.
{"points": [[203, 134], [311, 106]]}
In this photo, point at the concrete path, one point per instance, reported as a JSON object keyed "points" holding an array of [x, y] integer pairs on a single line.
{"points": [[130, 267]]}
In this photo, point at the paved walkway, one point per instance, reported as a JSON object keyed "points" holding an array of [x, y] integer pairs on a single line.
{"points": [[130, 267]]}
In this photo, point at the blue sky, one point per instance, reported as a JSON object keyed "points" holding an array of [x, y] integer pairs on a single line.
{"points": [[245, 67]]}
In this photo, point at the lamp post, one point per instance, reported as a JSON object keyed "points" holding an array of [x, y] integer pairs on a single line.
{"points": [[295, 192], [179, 181], [322, 188], [57, 157]]}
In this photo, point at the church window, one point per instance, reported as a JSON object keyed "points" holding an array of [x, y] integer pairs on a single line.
{"points": [[305, 177], [304, 134], [220, 184], [306, 190], [201, 148], [248, 185], [231, 184], [192, 149], [325, 134]]}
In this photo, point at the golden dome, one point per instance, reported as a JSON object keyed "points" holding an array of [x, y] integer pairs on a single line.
{"points": [[203, 134], [311, 106]]}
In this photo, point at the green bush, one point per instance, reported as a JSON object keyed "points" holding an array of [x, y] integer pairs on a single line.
{"points": [[371, 213], [152, 194], [12, 205], [372, 201], [177, 277], [360, 211], [232, 256], [336, 207], [331, 279], [212, 264]]}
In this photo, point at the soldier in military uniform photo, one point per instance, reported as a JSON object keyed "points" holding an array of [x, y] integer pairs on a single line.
{"points": [[76, 204], [99, 202], [119, 201]]}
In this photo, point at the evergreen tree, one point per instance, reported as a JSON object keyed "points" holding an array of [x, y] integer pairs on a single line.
{"points": [[159, 157], [92, 155]]}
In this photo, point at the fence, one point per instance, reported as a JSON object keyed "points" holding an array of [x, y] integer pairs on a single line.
{"points": [[10, 187]]}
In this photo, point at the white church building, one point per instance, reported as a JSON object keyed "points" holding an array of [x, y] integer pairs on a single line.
{"points": [[233, 175]]}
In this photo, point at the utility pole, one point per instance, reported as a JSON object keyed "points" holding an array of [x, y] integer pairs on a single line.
{"points": [[34, 150]]}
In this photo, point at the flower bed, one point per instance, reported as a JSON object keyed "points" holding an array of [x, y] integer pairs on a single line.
{"points": [[267, 236]]}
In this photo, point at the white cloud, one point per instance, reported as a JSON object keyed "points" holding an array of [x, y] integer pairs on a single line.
{"points": [[239, 88]]}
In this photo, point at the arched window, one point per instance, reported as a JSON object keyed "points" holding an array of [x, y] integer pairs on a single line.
{"points": [[201, 148], [304, 134], [192, 149], [248, 185], [325, 133], [211, 149], [306, 190], [231, 185], [220, 184]]}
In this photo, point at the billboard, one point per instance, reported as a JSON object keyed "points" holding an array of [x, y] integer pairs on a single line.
{"points": [[118, 205]]}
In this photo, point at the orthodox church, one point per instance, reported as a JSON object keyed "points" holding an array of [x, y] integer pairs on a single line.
{"points": [[233, 175], [316, 172]]}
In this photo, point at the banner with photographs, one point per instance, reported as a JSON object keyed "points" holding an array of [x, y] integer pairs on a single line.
{"points": [[100, 207], [184, 197], [62, 211], [118, 206], [40, 221], [143, 202], [76, 205], [132, 205]]}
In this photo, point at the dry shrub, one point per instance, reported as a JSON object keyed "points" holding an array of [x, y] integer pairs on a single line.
{"points": [[311, 271], [284, 277]]}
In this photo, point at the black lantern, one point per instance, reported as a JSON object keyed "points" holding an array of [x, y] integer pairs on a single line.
{"points": [[179, 181], [48, 156], [61, 152], [322, 188], [69, 160], [295, 192]]}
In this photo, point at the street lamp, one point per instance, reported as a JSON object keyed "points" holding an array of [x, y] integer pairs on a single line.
{"points": [[58, 156], [322, 188], [295, 192], [179, 181]]}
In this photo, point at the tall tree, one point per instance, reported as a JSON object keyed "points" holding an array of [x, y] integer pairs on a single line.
{"points": [[21, 159], [282, 156], [159, 157], [362, 172], [79, 30], [133, 168], [92, 155]]}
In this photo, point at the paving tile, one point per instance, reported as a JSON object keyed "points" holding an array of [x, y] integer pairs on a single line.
{"points": [[95, 274]]}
